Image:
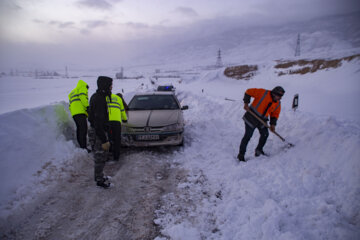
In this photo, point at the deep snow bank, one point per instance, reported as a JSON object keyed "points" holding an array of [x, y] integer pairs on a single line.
{"points": [[35, 149], [310, 191]]}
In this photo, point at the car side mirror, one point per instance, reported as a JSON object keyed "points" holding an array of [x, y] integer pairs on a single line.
{"points": [[186, 107]]}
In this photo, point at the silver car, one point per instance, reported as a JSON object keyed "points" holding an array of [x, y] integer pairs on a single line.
{"points": [[154, 119]]}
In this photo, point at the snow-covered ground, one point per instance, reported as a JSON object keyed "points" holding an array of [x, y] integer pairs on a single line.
{"points": [[310, 191]]}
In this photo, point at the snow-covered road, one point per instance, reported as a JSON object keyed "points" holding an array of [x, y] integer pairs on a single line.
{"points": [[199, 191], [73, 208]]}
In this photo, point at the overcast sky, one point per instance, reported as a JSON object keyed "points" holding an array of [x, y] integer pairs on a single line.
{"points": [[76, 30]]}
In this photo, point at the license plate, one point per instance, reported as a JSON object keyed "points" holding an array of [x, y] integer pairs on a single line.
{"points": [[147, 137]]}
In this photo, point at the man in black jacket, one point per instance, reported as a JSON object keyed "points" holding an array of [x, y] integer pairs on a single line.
{"points": [[99, 122]]}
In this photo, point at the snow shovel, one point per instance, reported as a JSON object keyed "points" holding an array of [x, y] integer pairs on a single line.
{"points": [[266, 125]]}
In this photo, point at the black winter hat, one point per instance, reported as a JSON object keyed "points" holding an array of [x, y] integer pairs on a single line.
{"points": [[104, 83], [278, 91]]}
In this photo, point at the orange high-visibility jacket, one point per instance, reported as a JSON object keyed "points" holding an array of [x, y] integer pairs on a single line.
{"points": [[263, 104]]}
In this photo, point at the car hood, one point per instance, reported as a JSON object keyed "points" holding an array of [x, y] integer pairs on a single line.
{"points": [[154, 118]]}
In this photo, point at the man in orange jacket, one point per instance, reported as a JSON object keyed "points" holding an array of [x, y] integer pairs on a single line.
{"points": [[266, 103]]}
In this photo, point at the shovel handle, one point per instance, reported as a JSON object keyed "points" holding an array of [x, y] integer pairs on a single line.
{"points": [[265, 124]]}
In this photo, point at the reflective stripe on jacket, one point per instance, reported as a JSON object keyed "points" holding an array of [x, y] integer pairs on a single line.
{"points": [[116, 109], [263, 104], [78, 99]]}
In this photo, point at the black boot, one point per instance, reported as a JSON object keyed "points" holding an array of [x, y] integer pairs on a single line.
{"points": [[103, 183], [259, 152], [241, 158]]}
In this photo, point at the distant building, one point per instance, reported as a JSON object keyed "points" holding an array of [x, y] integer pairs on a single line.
{"points": [[121, 75]]}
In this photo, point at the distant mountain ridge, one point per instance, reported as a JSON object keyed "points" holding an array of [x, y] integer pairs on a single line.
{"points": [[335, 36]]}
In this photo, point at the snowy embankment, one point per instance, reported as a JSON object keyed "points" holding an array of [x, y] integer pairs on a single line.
{"points": [[35, 151], [310, 191]]}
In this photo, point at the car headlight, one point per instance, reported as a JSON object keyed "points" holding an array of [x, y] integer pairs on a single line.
{"points": [[172, 127]]}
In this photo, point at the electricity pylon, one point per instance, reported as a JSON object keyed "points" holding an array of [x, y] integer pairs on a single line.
{"points": [[297, 50], [218, 60]]}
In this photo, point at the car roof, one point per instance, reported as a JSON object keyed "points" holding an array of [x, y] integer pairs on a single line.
{"points": [[154, 93]]}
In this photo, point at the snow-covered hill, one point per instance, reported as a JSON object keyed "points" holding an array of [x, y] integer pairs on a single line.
{"points": [[332, 37]]}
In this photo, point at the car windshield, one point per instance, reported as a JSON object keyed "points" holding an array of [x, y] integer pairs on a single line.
{"points": [[153, 102]]}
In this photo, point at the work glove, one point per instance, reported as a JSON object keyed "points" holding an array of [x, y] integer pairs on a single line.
{"points": [[246, 107], [106, 146], [272, 128], [124, 121]]}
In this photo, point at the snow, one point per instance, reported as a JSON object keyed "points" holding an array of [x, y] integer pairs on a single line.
{"points": [[304, 192], [33, 147], [310, 191]]}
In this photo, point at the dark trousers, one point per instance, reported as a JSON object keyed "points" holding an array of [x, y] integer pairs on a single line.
{"points": [[264, 133], [115, 138], [100, 156], [81, 129]]}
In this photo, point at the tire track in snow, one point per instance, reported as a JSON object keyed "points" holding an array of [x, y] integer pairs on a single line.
{"points": [[75, 208]]}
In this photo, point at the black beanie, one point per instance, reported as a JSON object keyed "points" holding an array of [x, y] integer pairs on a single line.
{"points": [[278, 91]]}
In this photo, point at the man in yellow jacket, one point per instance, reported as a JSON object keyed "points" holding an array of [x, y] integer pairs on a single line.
{"points": [[79, 108], [266, 103], [117, 115]]}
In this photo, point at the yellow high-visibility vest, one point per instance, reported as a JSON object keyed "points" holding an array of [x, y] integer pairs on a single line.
{"points": [[78, 99], [116, 108]]}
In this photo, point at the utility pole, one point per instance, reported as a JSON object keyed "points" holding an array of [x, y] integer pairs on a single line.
{"points": [[66, 72], [120, 75], [297, 50], [218, 60]]}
